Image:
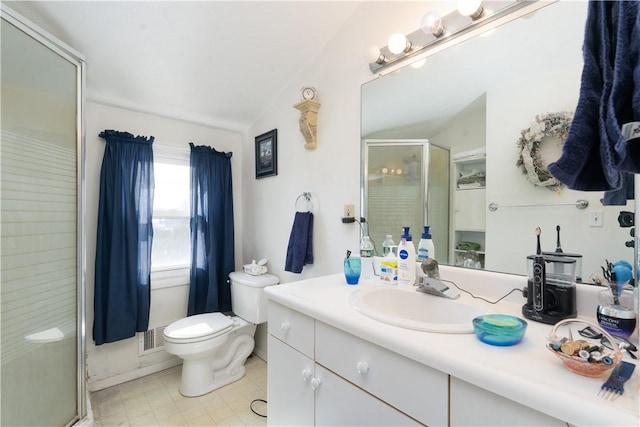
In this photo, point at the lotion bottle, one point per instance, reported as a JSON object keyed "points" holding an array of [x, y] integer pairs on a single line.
{"points": [[406, 259], [425, 247]]}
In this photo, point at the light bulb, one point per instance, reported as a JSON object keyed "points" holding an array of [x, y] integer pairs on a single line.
{"points": [[398, 43], [385, 170], [432, 24], [470, 8], [399, 171], [374, 56]]}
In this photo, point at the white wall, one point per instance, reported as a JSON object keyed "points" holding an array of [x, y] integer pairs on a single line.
{"points": [[264, 208], [112, 363], [331, 172]]}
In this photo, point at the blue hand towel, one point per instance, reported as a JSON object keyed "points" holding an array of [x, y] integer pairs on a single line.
{"points": [[300, 248], [596, 153]]}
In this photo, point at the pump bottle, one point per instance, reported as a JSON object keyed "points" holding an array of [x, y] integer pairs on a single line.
{"points": [[425, 247], [406, 259]]}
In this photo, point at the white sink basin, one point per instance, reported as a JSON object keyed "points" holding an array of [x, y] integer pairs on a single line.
{"points": [[407, 308]]}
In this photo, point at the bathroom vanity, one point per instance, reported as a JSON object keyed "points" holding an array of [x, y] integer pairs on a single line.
{"points": [[330, 365]]}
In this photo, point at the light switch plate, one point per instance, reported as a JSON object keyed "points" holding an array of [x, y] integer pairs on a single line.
{"points": [[595, 219]]}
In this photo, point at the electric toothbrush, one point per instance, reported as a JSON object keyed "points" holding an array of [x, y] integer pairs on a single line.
{"points": [[538, 276], [558, 247]]}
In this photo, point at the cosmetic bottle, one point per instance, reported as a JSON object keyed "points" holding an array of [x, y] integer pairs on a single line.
{"points": [[425, 246], [406, 259]]}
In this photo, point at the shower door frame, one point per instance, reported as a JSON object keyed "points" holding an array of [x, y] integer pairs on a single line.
{"points": [[78, 61]]}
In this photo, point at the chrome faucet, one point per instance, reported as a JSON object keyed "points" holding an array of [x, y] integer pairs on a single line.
{"points": [[431, 283]]}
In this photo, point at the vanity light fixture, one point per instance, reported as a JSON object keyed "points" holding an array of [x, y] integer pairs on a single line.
{"points": [[436, 31]]}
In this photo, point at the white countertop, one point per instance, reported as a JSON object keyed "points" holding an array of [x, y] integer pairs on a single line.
{"points": [[526, 373]]}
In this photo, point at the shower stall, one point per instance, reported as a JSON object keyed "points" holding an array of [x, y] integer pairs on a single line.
{"points": [[42, 323], [405, 182]]}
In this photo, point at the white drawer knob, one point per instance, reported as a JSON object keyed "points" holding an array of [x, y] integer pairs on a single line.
{"points": [[315, 383], [362, 367], [306, 374], [285, 326]]}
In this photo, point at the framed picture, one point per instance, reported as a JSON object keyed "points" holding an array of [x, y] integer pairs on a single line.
{"points": [[267, 154]]}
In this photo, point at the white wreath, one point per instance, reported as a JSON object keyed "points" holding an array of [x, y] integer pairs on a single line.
{"points": [[530, 161]]}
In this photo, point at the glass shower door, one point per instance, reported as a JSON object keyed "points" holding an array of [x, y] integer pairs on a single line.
{"points": [[406, 183], [41, 337]]}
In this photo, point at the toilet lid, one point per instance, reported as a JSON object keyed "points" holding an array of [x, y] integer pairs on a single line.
{"points": [[201, 326]]}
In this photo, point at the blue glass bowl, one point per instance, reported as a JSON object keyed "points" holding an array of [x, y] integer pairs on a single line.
{"points": [[499, 329]]}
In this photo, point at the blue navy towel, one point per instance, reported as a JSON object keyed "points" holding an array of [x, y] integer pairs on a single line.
{"points": [[300, 248], [596, 152], [621, 196]]}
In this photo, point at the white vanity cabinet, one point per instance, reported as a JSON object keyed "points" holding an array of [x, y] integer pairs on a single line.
{"points": [[302, 392], [471, 405]]}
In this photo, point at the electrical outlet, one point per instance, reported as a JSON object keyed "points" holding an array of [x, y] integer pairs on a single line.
{"points": [[595, 219], [348, 211]]}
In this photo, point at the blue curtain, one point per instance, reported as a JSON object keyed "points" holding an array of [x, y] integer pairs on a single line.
{"points": [[125, 234], [212, 234]]}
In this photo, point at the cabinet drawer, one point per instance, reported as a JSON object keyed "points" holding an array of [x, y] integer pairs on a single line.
{"points": [[291, 327], [415, 389]]}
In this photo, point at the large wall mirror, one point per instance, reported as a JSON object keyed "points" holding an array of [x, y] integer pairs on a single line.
{"points": [[474, 99]]}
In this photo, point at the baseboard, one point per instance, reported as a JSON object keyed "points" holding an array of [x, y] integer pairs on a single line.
{"points": [[100, 384], [260, 353]]}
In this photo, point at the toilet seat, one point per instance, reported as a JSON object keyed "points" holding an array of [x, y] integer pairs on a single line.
{"points": [[200, 327]]}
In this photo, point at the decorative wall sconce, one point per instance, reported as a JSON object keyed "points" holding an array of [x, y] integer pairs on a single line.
{"points": [[308, 121], [435, 30]]}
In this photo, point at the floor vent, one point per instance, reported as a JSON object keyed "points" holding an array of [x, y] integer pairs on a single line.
{"points": [[151, 340]]}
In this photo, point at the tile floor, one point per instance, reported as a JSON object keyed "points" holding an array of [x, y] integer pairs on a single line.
{"points": [[154, 400]]}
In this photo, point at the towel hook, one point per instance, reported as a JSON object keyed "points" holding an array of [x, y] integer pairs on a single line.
{"points": [[307, 198]]}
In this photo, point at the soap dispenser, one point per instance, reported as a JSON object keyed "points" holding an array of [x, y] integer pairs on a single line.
{"points": [[406, 259], [425, 247]]}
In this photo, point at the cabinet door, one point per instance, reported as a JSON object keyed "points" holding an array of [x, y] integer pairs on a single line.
{"points": [[340, 403], [289, 390], [473, 406], [470, 210]]}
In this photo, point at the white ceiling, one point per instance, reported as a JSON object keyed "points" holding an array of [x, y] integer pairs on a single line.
{"points": [[213, 62]]}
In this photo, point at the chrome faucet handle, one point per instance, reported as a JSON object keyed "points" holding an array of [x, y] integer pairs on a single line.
{"points": [[430, 268]]}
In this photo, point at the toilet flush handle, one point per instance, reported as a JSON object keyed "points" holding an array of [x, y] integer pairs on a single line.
{"points": [[285, 326]]}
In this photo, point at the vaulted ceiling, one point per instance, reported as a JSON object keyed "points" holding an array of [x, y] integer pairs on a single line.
{"points": [[213, 62]]}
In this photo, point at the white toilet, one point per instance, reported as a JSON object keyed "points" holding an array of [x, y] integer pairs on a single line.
{"points": [[214, 347]]}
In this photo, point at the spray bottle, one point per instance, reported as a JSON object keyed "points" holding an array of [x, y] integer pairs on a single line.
{"points": [[406, 259], [425, 247]]}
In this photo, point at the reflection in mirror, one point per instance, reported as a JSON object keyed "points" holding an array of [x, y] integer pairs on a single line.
{"points": [[475, 99], [406, 185]]}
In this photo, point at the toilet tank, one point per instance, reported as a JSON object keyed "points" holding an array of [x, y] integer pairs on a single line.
{"points": [[248, 299]]}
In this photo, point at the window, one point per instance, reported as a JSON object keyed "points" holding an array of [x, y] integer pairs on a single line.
{"points": [[171, 233]]}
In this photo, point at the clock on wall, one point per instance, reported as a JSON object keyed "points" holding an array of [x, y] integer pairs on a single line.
{"points": [[308, 93]]}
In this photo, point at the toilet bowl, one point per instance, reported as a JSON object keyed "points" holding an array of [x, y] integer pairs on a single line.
{"points": [[214, 347]]}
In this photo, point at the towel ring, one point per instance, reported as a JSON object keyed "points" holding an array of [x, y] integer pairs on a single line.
{"points": [[307, 197]]}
